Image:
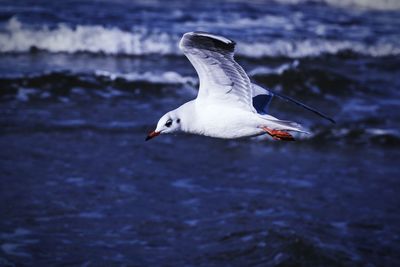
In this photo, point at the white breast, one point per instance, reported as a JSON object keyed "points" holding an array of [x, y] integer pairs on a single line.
{"points": [[221, 121]]}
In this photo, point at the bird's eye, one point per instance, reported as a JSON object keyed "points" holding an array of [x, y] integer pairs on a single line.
{"points": [[168, 123], [178, 120]]}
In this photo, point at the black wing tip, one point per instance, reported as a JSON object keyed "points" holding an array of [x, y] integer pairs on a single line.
{"points": [[332, 120], [208, 41], [213, 36], [322, 115], [319, 113]]}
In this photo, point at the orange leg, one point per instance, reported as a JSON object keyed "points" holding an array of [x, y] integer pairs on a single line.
{"points": [[279, 135]]}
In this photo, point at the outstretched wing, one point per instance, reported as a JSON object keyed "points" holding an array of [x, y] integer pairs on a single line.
{"points": [[221, 77], [262, 98]]}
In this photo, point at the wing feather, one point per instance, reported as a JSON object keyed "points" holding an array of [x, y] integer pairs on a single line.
{"points": [[221, 77]]}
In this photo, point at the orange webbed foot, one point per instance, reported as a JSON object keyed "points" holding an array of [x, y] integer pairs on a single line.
{"points": [[279, 135]]}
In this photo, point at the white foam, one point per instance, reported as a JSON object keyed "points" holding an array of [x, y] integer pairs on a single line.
{"points": [[275, 21], [263, 70], [306, 48], [378, 131], [25, 93], [94, 39], [169, 77]]}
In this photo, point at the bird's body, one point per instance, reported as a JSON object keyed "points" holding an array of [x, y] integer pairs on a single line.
{"points": [[228, 105], [229, 122], [217, 120]]}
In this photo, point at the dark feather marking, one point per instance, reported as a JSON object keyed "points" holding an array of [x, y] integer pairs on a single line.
{"points": [[287, 98], [196, 40]]}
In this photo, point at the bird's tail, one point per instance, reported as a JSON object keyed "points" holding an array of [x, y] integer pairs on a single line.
{"points": [[279, 129], [277, 124]]}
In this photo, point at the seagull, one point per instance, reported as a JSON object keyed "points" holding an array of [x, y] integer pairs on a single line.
{"points": [[228, 105]]}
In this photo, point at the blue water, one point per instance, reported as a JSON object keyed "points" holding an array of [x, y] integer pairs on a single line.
{"points": [[82, 83]]}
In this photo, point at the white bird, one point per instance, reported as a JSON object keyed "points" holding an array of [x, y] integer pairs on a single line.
{"points": [[228, 105]]}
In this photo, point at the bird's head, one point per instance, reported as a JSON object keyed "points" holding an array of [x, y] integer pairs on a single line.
{"points": [[169, 123]]}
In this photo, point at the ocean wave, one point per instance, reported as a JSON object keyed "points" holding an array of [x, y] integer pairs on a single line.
{"points": [[357, 135], [104, 84], [239, 22], [299, 81], [314, 47], [93, 39], [358, 4], [168, 77], [19, 38], [44, 78], [277, 70], [288, 78]]}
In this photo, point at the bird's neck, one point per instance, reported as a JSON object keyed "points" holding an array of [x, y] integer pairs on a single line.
{"points": [[189, 118]]}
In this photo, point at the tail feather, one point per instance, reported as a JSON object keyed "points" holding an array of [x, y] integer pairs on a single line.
{"points": [[285, 125]]}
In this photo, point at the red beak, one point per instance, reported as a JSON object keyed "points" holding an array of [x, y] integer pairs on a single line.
{"points": [[152, 135]]}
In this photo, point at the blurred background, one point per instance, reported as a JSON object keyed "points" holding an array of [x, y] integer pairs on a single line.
{"points": [[82, 82]]}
